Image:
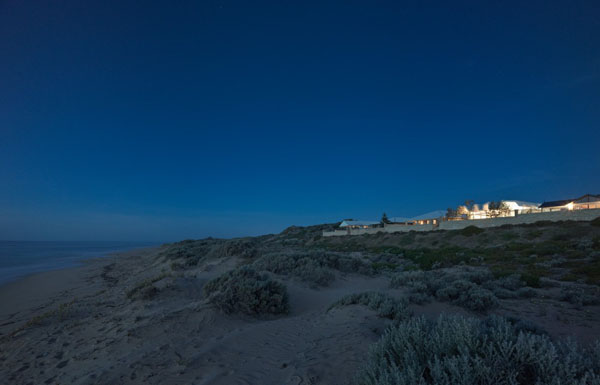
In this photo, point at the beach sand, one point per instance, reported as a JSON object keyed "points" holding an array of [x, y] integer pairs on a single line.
{"points": [[78, 326]]}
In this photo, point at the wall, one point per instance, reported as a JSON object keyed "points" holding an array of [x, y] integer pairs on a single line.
{"points": [[405, 228], [386, 229], [576, 215]]}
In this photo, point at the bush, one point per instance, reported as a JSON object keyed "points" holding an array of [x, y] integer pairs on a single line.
{"points": [[595, 222], [463, 287], [579, 296], [313, 267], [477, 299], [458, 350], [145, 289], [526, 292], [531, 279], [384, 305], [454, 290], [246, 291], [190, 253], [471, 230]]}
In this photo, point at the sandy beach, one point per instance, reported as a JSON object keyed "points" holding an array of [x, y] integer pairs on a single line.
{"points": [[102, 337]]}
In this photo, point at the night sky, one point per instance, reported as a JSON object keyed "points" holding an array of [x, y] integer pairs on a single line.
{"points": [[159, 121]]}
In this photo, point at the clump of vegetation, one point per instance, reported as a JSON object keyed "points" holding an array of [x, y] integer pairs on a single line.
{"points": [[61, 313], [146, 289], [244, 290], [314, 267], [458, 350], [531, 279], [384, 305], [595, 222], [189, 253], [466, 287], [471, 230], [533, 234], [580, 296]]}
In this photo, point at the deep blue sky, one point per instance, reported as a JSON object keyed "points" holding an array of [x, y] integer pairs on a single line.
{"points": [[161, 121]]}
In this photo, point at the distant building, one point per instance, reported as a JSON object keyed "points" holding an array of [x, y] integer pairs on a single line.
{"points": [[431, 218], [588, 201], [352, 224], [512, 208]]}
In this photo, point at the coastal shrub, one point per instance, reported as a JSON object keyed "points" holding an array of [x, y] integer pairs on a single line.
{"points": [[146, 289], [243, 248], [190, 253], [384, 305], [509, 235], [533, 234], [313, 267], [477, 299], [471, 230], [509, 282], [454, 290], [459, 350], [187, 253], [595, 222], [526, 292], [531, 279], [428, 259], [244, 290], [463, 287], [579, 296]]}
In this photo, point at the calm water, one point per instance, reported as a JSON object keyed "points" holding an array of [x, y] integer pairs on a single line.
{"points": [[18, 259]]}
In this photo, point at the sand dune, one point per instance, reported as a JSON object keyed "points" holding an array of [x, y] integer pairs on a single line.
{"points": [[92, 325]]}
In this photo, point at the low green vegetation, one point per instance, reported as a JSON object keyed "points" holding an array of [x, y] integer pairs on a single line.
{"points": [[61, 313], [244, 290], [469, 231], [314, 267], [537, 251], [494, 351]]}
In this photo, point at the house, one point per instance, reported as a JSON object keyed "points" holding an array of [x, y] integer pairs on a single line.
{"points": [[588, 201], [512, 208], [352, 224], [521, 207], [431, 218]]}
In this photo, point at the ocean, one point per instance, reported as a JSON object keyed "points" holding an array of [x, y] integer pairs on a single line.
{"points": [[18, 259]]}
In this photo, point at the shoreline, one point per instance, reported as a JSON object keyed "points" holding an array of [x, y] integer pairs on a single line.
{"points": [[35, 293], [83, 261]]}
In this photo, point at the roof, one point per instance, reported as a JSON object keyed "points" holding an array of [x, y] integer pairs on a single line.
{"points": [[588, 198], [581, 199], [522, 203], [358, 223], [431, 215], [556, 203]]}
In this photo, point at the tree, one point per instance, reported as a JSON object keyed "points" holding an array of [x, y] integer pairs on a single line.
{"points": [[497, 209], [384, 219], [469, 204]]}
